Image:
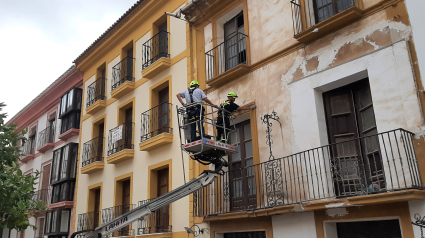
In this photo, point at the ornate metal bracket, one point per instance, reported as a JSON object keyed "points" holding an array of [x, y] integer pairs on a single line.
{"points": [[420, 221], [266, 119]]}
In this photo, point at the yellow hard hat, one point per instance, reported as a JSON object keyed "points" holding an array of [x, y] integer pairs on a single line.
{"points": [[194, 82], [232, 94]]}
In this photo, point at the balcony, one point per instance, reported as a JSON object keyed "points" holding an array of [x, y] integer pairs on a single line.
{"points": [[70, 126], [88, 221], [120, 143], [325, 17], [28, 151], [367, 170], [156, 127], [122, 78], [46, 139], [42, 195], [156, 222], [227, 61], [156, 57], [108, 214], [96, 99], [93, 156]]}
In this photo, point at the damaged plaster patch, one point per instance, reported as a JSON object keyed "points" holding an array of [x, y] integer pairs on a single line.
{"points": [[332, 205], [339, 212], [327, 55], [419, 132]]}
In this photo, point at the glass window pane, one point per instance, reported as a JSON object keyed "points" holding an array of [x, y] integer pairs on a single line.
{"points": [[64, 221], [54, 218], [65, 156], [70, 98], [248, 149], [63, 104], [235, 157], [48, 215], [249, 162], [73, 162], [233, 137], [247, 131]]}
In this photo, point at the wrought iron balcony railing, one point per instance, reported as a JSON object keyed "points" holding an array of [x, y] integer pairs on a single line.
{"points": [[46, 136], [42, 195], [29, 147], [307, 13], [120, 138], [156, 222], [372, 164], [96, 91], [226, 55], [122, 72], [87, 221], [156, 121], [155, 48], [124, 232], [108, 214], [93, 151]]}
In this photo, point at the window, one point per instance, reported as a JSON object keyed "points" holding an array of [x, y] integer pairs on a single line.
{"points": [[324, 9], [234, 43], [70, 121], [372, 229], [350, 115], [64, 172], [241, 173], [59, 222], [71, 101]]}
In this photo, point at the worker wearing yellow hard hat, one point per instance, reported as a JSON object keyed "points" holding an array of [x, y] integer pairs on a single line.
{"points": [[223, 119]]}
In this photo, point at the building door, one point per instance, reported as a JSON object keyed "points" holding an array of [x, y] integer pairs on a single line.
{"points": [[234, 46], [163, 111], [163, 41], [369, 229], [96, 216], [324, 9], [162, 216], [41, 227], [126, 206], [129, 63], [356, 162], [99, 148], [45, 183], [252, 234], [243, 193], [128, 129]]}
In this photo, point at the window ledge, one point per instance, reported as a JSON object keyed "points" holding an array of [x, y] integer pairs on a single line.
{"points": [[123, 89], [65, 204], [95, 107], [93, 167], [155, 142], [156, 68], [120, 156], [330, 25], [27, 158], [229, 75], [46, 147], [68, 134]]}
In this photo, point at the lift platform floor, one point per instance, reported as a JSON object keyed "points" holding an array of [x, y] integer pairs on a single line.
{"points": [[207, 144]]}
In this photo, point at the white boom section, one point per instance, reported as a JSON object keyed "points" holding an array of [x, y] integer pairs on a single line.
{"points": [[203, 180]]}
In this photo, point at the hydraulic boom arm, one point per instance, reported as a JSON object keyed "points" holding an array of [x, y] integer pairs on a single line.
{"points": [[124, 220]]}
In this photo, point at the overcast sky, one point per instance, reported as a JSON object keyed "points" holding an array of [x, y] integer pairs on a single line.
{"points": [[39, 39]]}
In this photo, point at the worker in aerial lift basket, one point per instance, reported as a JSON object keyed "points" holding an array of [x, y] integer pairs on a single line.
{"points": [[192, 95], [230, 106]]}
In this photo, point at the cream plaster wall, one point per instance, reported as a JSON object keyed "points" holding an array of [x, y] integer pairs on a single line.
{"points": [[416, 207], [177, 35], [300, 225]]}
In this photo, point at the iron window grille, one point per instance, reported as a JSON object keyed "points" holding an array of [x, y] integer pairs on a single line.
{"points": [[328, 172], [122, 72], [125, 141], [110, 213], [96, 91], [41, 195], [93, 151], [155, 48], [156, 121], [88, 221], [226, 55], [307, 13], [29, 147]]}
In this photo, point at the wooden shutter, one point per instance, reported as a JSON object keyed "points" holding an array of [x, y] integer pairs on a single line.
{"points": [[46, 177]]}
